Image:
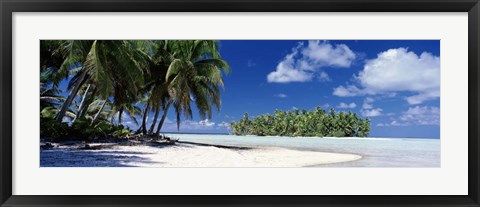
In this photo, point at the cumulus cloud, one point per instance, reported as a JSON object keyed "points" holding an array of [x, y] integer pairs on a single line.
{"points": [[324, 77], [346, 106], [281, 95], [418, 115], [372, 112], [287, 71], [398, 70], [368, 110], [422, 115], [327, 54], [347, 91], [367, 103], [304, 62]]}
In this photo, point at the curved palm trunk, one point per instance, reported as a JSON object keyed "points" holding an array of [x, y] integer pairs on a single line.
{"points": [[165, 112], [86, 105], [143, 127], [71, 96], [80, 107], [99, 111], [155, 117]]}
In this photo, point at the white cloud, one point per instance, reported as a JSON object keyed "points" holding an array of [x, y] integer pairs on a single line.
{"points": [[422, 115], [304, 63], [281, 95], [393, 123], [287, 72], [327, 54], [348, 91], [189, 125], [367, 103], [324, 77], [372, 112], [368, 110], [420, 98], [398, 70], [206, 123], [417, 116], [347, 106], [223, 124]]}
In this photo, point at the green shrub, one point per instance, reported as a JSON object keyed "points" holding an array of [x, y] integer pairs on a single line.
{"points": [[81, 129], [121, 132], [51, 129]]}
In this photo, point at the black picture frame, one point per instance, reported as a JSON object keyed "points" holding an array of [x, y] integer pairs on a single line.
{"points": [[7, 8]]}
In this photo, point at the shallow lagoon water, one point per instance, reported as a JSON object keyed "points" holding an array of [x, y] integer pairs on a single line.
{"points": [[375, 152]]}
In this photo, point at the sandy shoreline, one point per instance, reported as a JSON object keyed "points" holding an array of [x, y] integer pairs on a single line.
{"points": [[189, 155]]}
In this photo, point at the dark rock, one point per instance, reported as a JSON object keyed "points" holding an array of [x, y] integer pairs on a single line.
{"points": [[47, 146]]}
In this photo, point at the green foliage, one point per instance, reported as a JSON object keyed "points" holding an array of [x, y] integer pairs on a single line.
{"points": [[121, 132], [314, 123], [81, 129], [51, 129], [84, 130]]}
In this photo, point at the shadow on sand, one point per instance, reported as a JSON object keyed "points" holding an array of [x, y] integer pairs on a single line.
{"points": [[90, 158]]}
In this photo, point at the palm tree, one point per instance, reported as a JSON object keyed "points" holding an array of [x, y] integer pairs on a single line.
{"points": [[116, 68], [97, 108], [146, 109], [49, 97], [194, 75], [154, 91]]}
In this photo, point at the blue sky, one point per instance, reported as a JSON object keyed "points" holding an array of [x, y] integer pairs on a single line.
{"points": [[394, 83]]}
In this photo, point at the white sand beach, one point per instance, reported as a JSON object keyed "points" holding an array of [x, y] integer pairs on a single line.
{"points": [[188, 155]]}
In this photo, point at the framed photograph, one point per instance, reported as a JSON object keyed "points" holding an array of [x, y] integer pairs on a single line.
{"points": [[239, 103]]}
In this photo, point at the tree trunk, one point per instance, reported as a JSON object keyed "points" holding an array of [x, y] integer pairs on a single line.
{"points": [[155, 117], [120, 116], [99, 111], [165, 112], [79, 111], [71, 96], [143, 127], [86, 104]]}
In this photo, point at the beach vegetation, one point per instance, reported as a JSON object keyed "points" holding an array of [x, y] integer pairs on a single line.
{"points": [[312, 123]]}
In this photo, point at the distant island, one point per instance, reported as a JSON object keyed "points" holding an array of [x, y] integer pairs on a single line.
{"points": [[312, 123]]}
